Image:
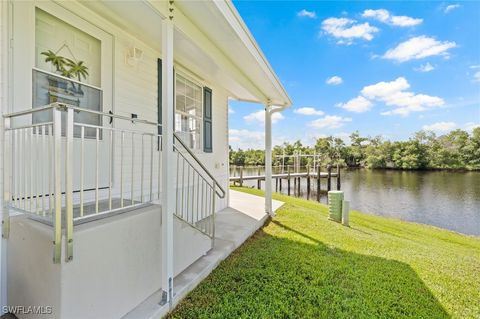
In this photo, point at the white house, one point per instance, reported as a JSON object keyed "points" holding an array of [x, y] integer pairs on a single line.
{"points": [[114, 148]]}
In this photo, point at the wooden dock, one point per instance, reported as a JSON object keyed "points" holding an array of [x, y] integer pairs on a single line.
{"points": [[296, 177]]}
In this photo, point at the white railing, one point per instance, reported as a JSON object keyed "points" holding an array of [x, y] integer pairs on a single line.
{"points": [[63, 179], [196, 190], [59, 175]]}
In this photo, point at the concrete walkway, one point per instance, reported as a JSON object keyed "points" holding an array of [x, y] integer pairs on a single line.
{"points": [[233, 226]]}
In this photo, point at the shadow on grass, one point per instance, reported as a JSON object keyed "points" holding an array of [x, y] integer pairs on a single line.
{"points": [[297, 276]]}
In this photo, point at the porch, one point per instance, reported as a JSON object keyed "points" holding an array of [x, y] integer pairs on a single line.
{"points": [[99, 199], [119, 175], [136, 260]]}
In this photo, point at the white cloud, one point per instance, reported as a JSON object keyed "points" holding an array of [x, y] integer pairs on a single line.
{"points": [[394, 94], [475, 66], [476, 77], [451, 7], [404, 21], [440, 127], [470, 126], [419, 48], [385, 89], [380, 14], [330, 121], [311, 137], [357, 105], [308, 111], [425, 68], [231, 110], [334, 80], [408, 102], [307, 14], [347, 30], [384, 16], [259, 116], [245, 139]]}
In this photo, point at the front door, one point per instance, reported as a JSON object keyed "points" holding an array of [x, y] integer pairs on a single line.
{"points": [[59, 57]]}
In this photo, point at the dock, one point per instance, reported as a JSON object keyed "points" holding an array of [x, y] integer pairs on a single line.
{"points": [[310, 176]]}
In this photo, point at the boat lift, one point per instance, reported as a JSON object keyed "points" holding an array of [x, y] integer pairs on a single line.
{"points": [[297, 160]]}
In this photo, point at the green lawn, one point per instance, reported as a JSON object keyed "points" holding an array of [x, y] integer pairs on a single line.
{"points": [[300, 265]]}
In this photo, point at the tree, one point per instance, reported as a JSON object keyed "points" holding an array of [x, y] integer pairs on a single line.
{"points": [[425, 150], [237, 157], [472, 150], [357, 145]]}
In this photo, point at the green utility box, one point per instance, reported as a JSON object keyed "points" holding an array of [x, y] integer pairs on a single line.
{"points": [[335, 199]]}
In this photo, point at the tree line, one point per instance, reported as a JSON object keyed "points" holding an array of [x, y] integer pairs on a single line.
{"points": [[424, 150]]}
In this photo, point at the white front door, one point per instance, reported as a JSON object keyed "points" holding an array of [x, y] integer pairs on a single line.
{"points": [[45, 29]]}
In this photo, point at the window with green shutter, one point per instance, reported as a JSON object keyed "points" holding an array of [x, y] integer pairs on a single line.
{"points": [[191, 110]]}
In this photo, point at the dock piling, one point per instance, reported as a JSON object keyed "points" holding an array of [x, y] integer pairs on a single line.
{"points": [[308, 181], [288, 180], [319, 184], [338, 177], [294, 185], [259, 181], [241, 176], [329, 180]]}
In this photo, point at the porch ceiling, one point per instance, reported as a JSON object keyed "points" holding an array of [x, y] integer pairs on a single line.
{"points": [[211, 40]]}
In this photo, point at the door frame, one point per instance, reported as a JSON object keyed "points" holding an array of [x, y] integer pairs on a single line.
{"points": [[24, 61], [23, 51]]}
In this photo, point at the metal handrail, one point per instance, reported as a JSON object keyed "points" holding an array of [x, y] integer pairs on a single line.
{"points": [[38, 173], [111, 115], [222, 194], [29, 111], [53, 145], [78, 109]]}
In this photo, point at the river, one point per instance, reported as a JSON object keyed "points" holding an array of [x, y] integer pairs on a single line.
{"points": [[445, 199]]}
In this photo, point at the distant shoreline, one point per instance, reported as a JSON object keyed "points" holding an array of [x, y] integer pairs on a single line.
{"points": [[459, 170]]}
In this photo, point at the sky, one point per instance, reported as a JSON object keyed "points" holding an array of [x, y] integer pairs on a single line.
{"points": [[380, 67]]}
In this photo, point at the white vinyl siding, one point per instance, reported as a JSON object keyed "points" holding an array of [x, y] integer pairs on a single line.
{"points": [[135, 92]]}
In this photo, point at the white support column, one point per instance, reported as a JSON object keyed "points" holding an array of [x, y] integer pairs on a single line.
{"points": [[4, 193], [268, 160], [168, 159]]}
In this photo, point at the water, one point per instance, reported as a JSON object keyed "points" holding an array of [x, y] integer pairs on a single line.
{"points": [[449, 200]]}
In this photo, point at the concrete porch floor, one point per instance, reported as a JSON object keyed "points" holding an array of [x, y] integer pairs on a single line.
{"points": [[233, 225]]}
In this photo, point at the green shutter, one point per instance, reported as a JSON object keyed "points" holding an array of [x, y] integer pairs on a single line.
{"points": [[207, 121], [159, 94]]}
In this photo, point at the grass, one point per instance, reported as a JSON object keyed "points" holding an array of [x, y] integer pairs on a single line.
{"points": [[300, 265]]}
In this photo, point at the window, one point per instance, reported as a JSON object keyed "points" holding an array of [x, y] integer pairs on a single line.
{"points": [[67, 70], [188, 111]]}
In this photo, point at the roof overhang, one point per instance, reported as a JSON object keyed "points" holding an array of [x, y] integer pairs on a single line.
{"points": [[211, 40]]}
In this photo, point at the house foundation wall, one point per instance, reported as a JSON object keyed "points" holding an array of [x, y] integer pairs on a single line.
{"points": [[116, 265]]}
